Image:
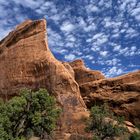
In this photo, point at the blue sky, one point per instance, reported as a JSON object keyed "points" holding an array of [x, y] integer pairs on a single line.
{"points": [[104, 33]]}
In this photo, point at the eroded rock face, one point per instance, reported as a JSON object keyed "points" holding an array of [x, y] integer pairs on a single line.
{"points": [[26, 61], [121, 93], [69, 68]]}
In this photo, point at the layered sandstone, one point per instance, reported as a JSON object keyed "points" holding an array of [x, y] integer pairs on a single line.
{"points": [[121, 93], [26, 61]]}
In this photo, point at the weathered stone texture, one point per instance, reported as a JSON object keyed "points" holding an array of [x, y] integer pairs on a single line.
{"points": [[26, 61], [121, 93]]}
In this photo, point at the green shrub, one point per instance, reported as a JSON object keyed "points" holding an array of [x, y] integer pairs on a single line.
{"points": [[33, 113], [104, 129], [96, 138], [135, 136]]}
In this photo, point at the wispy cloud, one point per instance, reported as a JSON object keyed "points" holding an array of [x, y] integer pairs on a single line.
{"points": [[114, 71], [67, 26], [103, 53], [70, 57], [104, 33]]}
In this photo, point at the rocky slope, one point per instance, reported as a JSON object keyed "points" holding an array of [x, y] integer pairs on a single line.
{"points": [[26, 61], [121, 93]]}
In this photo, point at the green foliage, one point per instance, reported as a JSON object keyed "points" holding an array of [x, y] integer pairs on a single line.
{"points": [[33, 113], [102, 123], [96, 138], [135, 136]]}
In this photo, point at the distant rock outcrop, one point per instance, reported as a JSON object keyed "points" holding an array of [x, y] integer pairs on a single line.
{"points": [[121, 93], [26, 61], [83, 74]]}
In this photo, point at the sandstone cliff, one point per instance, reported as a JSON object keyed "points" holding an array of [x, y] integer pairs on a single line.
{"points": [[26, 61]]}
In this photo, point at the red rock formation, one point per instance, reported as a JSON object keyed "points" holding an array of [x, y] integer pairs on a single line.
{"points": [[84, 75], [26, 61], [121, 93]]}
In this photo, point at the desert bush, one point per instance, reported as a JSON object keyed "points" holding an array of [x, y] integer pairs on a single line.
{"points": [[32, 113], [135, 136], [104, 123]]}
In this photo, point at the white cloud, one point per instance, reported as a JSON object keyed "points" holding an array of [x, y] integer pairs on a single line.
{"points": [[43, 8], [112, 62], [91, 27], [29, 3], [89, 57], [94, 8], [136, 13], [109, 23], [131, 33], [67, 26], [103, 53], [91, 8], [85, 34], [133, 51], [116, 35], [124, 3], [133, 65], [70, 38], [133, 48], [89, 40], [95, 48], [127, 51], [100, 39], [106, 62], [54, 39], [86, 25], [62, 51], [116, 48], [3, 32], [81, 22], [69, 44], [114, 71], [70, 57], [93, 61], [96, 36]]}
